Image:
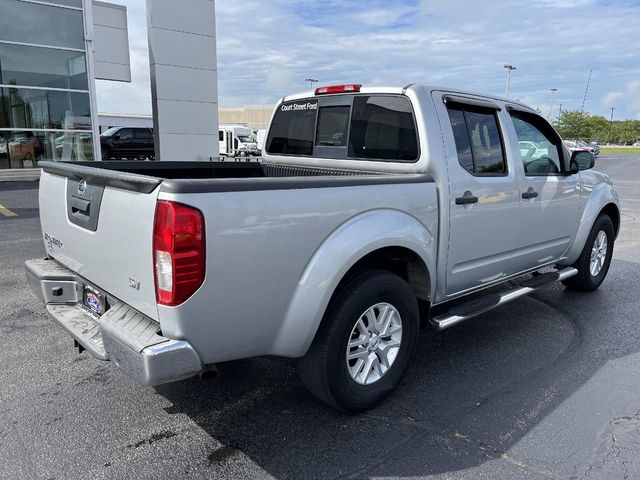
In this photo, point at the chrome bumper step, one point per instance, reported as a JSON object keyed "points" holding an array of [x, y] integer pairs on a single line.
{"points": [[480, 305], [122, 335], [81, 326]]}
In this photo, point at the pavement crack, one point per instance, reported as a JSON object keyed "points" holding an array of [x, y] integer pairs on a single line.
{"points": [[154, 437]]}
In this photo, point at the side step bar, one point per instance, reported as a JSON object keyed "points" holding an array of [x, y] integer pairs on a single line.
{"points": [[480, 305]]}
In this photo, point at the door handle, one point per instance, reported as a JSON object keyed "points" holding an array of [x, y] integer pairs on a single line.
{"points": [[466, 199], [530, 193]]}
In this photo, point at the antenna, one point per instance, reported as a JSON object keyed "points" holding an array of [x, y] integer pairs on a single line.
{"points": [[584, 99]]}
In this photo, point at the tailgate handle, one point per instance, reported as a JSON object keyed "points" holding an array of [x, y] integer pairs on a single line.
{"points": [[78, 205]]}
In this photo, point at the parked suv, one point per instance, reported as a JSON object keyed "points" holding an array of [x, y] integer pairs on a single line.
{"points": [[127, 142]]}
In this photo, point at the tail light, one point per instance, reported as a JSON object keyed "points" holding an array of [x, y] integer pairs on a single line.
{"points": [[347, 88], [178, 252]]}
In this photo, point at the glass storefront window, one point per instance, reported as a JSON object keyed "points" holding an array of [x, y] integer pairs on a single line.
{"points": [[42, 67], [41, 24], [23, 108], [26, 148], [45, 107]]}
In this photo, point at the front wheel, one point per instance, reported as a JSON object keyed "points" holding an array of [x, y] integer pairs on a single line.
{"points": [[364, 343], [595, 259]]}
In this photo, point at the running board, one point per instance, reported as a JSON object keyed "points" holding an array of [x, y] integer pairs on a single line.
{"points": [[465, 311]]}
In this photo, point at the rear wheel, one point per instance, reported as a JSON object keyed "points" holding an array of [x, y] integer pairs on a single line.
{"points": [[364, 343], [593, 263]]}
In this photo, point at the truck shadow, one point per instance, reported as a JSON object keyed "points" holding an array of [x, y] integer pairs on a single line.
{"points": [[471, 394]]}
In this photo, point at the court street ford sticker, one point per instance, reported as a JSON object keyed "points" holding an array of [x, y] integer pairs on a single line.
{"points": [[299, 106]]}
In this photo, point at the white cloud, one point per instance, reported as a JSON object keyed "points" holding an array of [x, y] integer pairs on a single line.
{"points": [[265, 52], [628, 99], [381, 17], [611, 98]]}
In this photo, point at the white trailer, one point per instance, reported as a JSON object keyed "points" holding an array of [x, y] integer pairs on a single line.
{"points": [[261, 137], [237, 141]]}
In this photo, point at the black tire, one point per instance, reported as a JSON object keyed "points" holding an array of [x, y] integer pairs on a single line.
{"points": [[584, 281], [324, 368], [106, 153]]}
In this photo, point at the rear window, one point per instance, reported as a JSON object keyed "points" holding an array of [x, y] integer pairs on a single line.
{"points": [[332, 126], [371, 127], [383, 127], [293, 128]]}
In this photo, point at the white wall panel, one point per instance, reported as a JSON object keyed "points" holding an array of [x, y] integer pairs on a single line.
{"points": [[183, 49], [178, 116], [184, 90], [191, 16], [202, 84], [111, 42], [181, 147]]}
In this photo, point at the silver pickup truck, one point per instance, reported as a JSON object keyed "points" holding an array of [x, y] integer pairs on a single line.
{"points": [[375, 211]]}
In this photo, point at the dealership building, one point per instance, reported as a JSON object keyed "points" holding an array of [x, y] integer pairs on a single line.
{"points": [[51, 53]]}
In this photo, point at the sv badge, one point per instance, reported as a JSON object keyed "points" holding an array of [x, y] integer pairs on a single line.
{"points": [[133, 283]]}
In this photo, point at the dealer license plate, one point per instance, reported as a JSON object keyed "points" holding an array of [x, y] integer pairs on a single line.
{"points": [[94, 300]]}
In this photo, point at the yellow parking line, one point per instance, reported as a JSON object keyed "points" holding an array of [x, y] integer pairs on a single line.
{"points": [[6, 212]]}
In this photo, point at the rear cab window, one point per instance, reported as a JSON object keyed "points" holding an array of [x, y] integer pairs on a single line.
{"points": [[293, 128], [378, 127]]}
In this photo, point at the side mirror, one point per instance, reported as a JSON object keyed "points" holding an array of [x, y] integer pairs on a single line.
{"points": [[116, 136], [581, 160]]}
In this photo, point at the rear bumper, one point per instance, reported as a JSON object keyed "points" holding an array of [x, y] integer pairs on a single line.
{"points": [[122, 335]]}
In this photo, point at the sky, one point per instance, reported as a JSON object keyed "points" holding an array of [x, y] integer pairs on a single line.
{"points": [[266, 49]]}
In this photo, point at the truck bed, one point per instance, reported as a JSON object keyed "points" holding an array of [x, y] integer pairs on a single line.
{"points": [[201, 177], [204, 170]]}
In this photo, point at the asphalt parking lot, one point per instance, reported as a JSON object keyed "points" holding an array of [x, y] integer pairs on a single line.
{"points": [[547, 387]]}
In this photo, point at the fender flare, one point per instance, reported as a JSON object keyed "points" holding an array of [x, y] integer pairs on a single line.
{"points": [[601, 196], [343, 248]]}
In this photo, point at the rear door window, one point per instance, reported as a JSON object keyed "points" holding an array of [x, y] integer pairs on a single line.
{"points": [[142, 134], [293, 128], [383, 128], [478, 139]]}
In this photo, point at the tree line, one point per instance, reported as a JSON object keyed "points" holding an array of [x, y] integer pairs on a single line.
{"points": [[573, 124]]}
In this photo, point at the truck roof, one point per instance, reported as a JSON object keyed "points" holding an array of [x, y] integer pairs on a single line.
{"points": [[399, 90]]}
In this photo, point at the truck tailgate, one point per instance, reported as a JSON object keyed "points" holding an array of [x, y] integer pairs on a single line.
{"points": [[101, 227]]}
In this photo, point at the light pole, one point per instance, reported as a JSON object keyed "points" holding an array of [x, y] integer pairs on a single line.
{"points": [[611, 123], [509, 68], [311, 81], [553, 94]]}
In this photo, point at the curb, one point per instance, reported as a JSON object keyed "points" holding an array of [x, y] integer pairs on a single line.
{"points": [[21, 175]]}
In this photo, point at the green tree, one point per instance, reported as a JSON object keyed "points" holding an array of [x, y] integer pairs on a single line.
{"points": [[598, 128], [571, 123]]}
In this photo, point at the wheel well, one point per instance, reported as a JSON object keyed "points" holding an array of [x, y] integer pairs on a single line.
{"points": [[401, 261], [398, 260], [611, 210]]}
